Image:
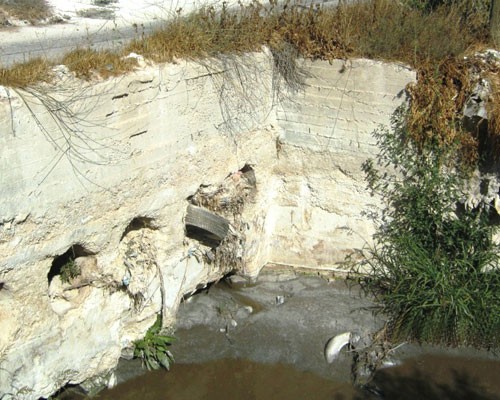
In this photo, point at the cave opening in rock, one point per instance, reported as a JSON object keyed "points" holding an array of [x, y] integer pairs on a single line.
{"points": [[62, 261], [138, 223]]}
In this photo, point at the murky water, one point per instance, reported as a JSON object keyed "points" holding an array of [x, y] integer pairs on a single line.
{"points": [[263, 355], [229, 379], [438, 377], [429, 377]]}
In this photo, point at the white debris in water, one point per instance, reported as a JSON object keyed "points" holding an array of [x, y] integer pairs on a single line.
{"points": [[249, 309], [335, 344], [113, 380]]}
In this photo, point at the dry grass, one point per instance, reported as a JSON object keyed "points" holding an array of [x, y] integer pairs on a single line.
{"points": [[494, 103], [87, 63], [207, 32], [29, 10], [382, 29], [473, 13], [391, 32], [26, 74], [436, 102], [430, 40]]}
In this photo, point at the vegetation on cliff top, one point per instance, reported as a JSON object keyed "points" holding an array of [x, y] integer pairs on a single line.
{"points": [[381, 29], [430, 35]]}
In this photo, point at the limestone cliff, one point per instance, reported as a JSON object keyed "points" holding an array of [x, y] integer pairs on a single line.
{"points": [[99, 174]]}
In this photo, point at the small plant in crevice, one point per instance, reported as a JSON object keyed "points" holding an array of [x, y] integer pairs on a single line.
{"points": [[69, 271], [434, 266], [154, 348], [65, 266]]}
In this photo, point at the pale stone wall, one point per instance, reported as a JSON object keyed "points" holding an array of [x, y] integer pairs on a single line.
{"points": [[77, 169], [323, 209]]}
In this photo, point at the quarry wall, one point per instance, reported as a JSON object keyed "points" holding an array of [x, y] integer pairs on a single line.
{"points": [[100, 174]]}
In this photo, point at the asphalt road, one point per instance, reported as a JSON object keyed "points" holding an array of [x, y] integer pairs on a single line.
{"points": [[53, 43]]}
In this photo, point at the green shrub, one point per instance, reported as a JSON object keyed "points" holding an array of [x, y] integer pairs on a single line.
{"points": [[69, 271], [434, 266], [153, 349]]}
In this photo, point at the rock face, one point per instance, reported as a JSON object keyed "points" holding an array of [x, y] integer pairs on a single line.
{"points": [[320, 212], [96, 178]]}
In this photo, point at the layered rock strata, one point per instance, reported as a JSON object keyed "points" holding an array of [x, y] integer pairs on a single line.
{"points": [[96, 178]]}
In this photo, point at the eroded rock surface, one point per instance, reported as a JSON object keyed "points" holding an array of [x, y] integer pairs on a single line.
{"points": [[107, 168]]}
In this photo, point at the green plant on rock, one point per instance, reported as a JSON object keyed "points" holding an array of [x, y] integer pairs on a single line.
{"points": [[434, 266], [69, 271], [154, 348]]}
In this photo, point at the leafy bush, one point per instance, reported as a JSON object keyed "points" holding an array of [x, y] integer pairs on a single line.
{"points": [[434, 266], [153, 349]]}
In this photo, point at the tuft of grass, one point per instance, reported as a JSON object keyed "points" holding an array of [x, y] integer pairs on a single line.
{"points": [[26, 74], [69, 271], [435, 267], [86, 63], [29, 10], [207, 32]]}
